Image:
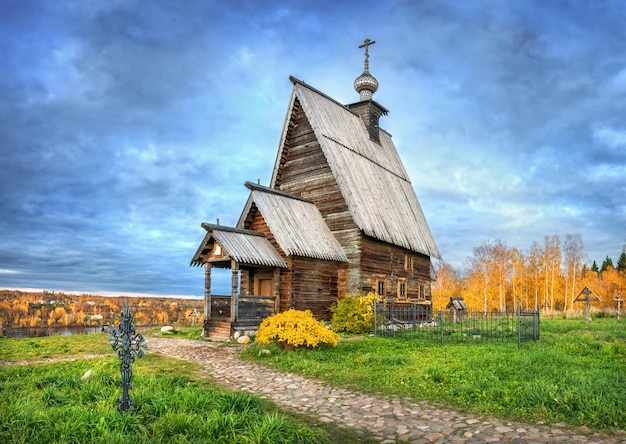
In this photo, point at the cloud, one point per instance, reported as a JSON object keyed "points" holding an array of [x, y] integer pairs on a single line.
{"points": [[126, 124]]}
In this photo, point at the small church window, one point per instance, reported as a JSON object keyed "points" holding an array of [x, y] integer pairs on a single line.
{"points": [[402, 288], [380, 286], [422, 292], [408, 262]]}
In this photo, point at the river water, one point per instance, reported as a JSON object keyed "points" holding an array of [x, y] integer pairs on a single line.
{"points": [[34, 332]]}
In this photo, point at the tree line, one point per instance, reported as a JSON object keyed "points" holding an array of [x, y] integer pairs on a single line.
{"points": [[32, 309], [549, 275]]}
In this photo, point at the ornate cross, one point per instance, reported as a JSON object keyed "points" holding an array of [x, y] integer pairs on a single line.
{"points": [[366, 45], [130, 346]]}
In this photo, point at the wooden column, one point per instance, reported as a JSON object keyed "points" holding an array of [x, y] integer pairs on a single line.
{"points": [[207, 291], [234, 294], [276, 290]]}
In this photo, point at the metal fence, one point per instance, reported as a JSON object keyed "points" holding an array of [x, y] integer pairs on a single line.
{"points": [[417, 321]]}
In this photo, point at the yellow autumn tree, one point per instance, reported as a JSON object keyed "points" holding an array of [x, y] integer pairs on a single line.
{"points": [[448, 284], [56, 316]]}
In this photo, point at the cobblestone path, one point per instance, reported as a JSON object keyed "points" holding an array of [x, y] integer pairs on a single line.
{"points": [[386, 419]]}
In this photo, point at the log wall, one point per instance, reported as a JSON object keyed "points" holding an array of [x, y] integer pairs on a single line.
{"points": [[304, 172], [382, 261], [310, 284]]}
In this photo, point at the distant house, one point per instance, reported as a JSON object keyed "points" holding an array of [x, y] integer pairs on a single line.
{"points": [[339, 216]]}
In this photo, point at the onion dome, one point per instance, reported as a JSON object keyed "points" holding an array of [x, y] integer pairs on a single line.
{"points": [[366, 84]]}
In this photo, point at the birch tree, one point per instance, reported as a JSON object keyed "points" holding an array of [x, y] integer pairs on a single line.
{"points": [[552, 265], [448, 284], [574, 257]]}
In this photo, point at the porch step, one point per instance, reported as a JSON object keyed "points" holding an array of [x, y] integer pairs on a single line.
{"points": [[218, 329]]}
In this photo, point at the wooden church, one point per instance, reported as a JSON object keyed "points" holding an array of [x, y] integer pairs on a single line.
{"points": [[340, 216]]}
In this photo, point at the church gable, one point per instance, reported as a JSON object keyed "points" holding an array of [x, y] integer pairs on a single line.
{"points": [[304, 171], [368, 175]]}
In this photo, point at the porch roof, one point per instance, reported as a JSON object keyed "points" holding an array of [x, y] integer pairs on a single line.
{"points": [[244, 246], [296, 224]]}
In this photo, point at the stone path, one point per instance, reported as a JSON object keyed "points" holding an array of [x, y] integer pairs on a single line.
{"points": [[388, 420]]}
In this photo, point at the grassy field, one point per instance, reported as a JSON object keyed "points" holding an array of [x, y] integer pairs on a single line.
{"points": [[575, 374], [48, 402]]}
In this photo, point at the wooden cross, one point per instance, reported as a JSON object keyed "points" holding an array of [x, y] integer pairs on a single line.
{"points": [[366, 45], [619, 300], [586, 293]]}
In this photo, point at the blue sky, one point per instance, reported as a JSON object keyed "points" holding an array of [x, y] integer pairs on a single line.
{"points": [[124, 125]]}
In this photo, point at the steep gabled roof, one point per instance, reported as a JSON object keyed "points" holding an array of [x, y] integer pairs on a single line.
{"points": [[296, 224], [371, 176], [244, 246]]}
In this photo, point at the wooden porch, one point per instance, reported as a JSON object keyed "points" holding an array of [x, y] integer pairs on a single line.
{"points": [[255, 283], [250, 311]]}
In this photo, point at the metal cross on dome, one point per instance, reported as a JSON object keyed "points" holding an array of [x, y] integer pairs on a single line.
{"points": [[366, 45], [129, 346]]}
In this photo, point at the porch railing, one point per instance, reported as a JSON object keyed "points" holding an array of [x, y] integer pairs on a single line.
{"points": [[250, 309]]}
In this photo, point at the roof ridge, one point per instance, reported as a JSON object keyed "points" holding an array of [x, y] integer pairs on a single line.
{"points": [[217, 227], [257, 187], [326, 96]]}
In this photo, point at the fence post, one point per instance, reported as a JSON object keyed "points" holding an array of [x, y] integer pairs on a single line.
{"points": [[536, 324], [375, 316], [519, 325], [441, 323]]}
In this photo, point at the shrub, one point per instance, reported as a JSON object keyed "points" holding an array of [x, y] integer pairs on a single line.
{"points": [[294, 328], [355, 313]]}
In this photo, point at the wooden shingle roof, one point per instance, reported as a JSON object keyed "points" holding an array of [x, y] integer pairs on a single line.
{"points": [[371, 176], [244, 246], [296, 224]]}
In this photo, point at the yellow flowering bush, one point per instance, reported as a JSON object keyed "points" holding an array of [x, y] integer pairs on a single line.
{"points": [[295, 328], [355, 313]]}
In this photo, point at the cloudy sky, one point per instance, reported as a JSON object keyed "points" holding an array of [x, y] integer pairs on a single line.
{"points": [[124, 125]]}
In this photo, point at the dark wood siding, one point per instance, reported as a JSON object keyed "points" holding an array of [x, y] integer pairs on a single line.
{"points": [[286, 282], [315, 285]]}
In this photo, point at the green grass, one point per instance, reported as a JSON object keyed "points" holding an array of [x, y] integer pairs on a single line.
{"points": [[176, 403], [574, 374], [18, 349], [179, 332]]}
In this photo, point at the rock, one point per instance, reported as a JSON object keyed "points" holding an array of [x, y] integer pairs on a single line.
{"points": [[243, 339], [167, 329], [237, 335], [88, 374]]}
